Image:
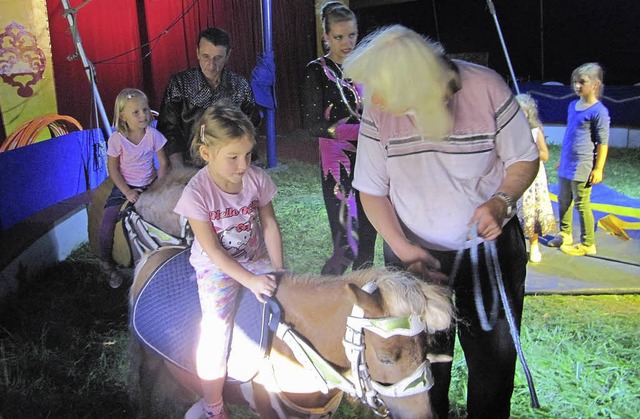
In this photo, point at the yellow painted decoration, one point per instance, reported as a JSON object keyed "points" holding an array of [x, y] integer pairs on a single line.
{"points": [[27, 90]]}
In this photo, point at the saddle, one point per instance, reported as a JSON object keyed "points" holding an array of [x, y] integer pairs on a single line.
{"points": [[166, 316], [134, 236]]}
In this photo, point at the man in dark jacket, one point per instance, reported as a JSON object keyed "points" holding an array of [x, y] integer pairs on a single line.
{"points": [[190, 92]]}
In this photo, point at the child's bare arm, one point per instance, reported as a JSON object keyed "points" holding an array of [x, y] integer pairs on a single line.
{"points": [[272, 235], [208, 239]]}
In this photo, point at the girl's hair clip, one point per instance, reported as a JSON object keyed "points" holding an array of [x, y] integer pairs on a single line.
{"points": [[202, 133], [129, 96]]}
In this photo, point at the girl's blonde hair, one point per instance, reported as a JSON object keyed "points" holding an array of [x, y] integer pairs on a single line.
{"points": [[530, 108], [592, 70], [408, 73], [221, 124], [123, 97]]}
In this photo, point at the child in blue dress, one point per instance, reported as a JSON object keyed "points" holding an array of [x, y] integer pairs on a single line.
{"points": [[582, 158]]}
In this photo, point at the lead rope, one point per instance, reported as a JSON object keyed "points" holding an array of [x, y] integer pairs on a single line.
{"points": [[495, 278]]}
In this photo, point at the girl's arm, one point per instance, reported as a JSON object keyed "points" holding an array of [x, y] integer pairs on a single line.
{"points": [[596, 174], [208, 239], [272, 235], [542, 146], [113, 165], [163, 162]]}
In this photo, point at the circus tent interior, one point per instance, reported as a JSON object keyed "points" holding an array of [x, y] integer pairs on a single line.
{"points": [[62, 63]]}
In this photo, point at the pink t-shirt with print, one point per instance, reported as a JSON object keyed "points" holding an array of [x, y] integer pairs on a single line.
{"points": [[137, 164], [234, 217]]}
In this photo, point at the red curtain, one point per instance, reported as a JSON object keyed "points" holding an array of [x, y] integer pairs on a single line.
{"points": [[107, 29], [140, 44]]}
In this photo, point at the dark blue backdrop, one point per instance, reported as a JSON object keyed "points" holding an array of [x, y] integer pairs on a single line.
{"points": [[39, 175]]}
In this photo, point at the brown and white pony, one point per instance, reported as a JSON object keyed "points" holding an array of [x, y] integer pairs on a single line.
{"points": [[394, 317]]}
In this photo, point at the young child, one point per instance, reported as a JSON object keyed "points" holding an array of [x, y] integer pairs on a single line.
{"points": [[131, 150], [582, 159], [534, 207], [237, 236]]}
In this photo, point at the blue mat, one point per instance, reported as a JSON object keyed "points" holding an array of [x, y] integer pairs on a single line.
{"points": [[166, 318], [616, 267]]}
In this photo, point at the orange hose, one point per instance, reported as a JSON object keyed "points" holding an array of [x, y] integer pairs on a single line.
{"points": [[27, 132]]}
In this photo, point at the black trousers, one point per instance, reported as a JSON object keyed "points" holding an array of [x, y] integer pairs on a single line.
{"points": [[490, 356]]}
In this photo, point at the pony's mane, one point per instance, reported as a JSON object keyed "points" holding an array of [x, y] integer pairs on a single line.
{"points": [[402, 293]]}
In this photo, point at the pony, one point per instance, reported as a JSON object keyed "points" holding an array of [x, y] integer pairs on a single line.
{"points": [[155, 206], [371, 328]]}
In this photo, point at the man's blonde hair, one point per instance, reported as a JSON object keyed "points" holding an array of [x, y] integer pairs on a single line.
{"points": [[408, 73]]}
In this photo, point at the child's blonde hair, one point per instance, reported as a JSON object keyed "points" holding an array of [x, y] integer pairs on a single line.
{"points": [[123, 97], [592, 70], [221, 124], [409, 73], [530, 108]]}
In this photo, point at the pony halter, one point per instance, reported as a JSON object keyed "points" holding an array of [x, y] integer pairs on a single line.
{"points": [[360, 384], [364, 387]]}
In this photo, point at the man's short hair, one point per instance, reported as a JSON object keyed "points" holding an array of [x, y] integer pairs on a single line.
{"points": [[216, 36]]}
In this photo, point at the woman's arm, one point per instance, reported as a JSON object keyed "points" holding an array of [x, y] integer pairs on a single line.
{"points": [[384, 219], [312, 102]]}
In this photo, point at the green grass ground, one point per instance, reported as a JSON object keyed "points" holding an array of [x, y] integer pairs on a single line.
{"points": [[63, 337]]}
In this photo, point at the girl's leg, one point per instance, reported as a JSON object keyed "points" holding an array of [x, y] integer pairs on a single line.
{"points": [[565, 203], [107, 229], [534, 249], [583, 205], [565, 206], [218, 294]]}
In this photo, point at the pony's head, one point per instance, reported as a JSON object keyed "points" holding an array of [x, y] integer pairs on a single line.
{"points": [[396, 361]]}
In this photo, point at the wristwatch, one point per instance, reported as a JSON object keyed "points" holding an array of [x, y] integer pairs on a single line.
{"points": [[511, 206]]}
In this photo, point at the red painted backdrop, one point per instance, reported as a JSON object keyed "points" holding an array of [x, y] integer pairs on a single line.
{"points": [[140, 44]]}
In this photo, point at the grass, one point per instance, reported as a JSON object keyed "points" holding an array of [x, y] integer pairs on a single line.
{"points": [[63, 336]]}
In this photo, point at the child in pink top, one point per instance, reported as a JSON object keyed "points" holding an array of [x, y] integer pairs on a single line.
{"points": [[131, 150], [237, 237]]}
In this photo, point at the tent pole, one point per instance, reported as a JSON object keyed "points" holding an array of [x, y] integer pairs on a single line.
{"points": [[88, 66], [492, 10], [270, 113]]}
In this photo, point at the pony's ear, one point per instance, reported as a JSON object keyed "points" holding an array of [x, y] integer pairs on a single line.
{"points": [[370, 303]]}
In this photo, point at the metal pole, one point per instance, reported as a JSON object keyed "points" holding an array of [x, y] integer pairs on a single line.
{"points": [[270, 113], [492, 10], [88, 66]]}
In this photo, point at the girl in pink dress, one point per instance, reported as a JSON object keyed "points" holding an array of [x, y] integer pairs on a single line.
{"points": [[131, 150], [237, 238]]}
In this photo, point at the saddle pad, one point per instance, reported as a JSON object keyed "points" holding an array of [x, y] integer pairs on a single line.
{"points": [[166, 318]]}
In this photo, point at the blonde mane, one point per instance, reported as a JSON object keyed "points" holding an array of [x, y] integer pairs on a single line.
{"points": [[403, 293]]}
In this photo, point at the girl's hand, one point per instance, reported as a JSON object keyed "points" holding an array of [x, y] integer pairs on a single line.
{"points": [[133, 195], [262, 285], [595, 177]]}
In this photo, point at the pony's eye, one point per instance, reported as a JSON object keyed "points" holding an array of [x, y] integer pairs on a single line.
{"points": [[387, 358]]}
